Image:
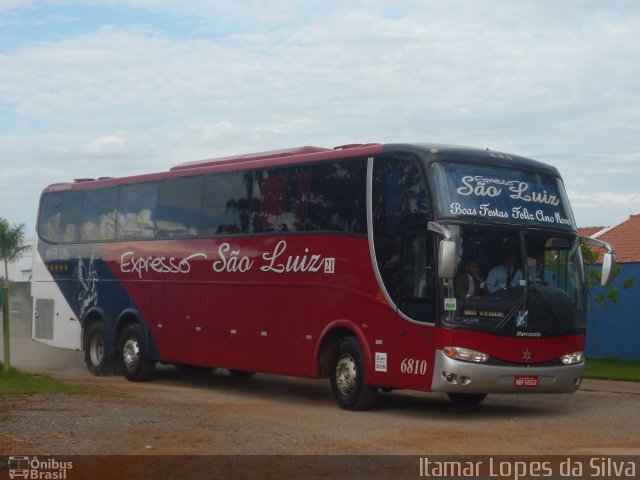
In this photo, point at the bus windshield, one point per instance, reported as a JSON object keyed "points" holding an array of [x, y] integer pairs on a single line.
{"points": [[516, 282], [497, 194]]}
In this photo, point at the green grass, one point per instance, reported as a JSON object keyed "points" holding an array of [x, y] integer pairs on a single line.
{"points": [[15, 382], [609, 369]]}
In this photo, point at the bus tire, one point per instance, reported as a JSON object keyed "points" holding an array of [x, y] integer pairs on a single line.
{"points": [[135, 366], [96, 355], [466, 398], [347, 377], [241, 373]]}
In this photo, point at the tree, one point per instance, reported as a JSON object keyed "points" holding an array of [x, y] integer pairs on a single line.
{"points": [[12, 247]]}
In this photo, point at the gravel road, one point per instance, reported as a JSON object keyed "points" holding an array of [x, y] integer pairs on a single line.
{"points": [[218, 414]]}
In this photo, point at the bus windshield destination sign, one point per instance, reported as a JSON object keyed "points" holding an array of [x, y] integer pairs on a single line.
{"points": [[498, 194]]}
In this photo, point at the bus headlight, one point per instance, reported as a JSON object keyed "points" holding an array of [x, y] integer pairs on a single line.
{"points": [[572, 358], [465, 354]]}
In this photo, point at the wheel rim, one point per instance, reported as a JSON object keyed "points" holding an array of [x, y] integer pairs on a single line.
{"points": [[346, 374], [96, 349], [131, 353]]}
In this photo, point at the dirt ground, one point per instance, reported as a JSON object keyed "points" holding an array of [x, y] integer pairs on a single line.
{"points": [[217, 426], [271, 415]]}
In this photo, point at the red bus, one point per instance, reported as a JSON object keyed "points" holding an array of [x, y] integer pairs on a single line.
{"points": [[395, 266]]}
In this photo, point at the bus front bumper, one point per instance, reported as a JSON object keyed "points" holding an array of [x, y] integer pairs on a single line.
{"points": [[455, 376]]}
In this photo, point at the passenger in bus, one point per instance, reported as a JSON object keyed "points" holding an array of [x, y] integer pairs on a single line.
{"points": [[505, 275], [469, 284]]}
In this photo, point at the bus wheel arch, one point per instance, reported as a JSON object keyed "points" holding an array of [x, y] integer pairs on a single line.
{"points": [[327, 345]]}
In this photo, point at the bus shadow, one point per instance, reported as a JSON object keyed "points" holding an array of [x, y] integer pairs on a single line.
{"points": [[317, 393], [261, 386], [438, 405]]}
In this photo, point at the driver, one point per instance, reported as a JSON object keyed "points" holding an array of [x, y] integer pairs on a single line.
{"points": [[505, 275]]}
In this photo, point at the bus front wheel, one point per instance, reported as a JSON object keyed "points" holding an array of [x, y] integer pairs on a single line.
{"points": [[135, 365], [347, 377]]}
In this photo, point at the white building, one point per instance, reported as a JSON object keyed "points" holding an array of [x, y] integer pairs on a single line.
{"points": [[20, 271]]}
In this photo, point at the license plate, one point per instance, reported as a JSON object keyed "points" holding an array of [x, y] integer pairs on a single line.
{"points": [[526, 381]]}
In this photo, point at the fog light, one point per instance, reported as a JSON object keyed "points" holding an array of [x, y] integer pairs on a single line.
{"points": [[450, 377], [572, 358], [465, 354]]}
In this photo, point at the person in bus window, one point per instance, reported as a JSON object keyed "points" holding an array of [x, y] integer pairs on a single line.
{"points": [[470, 283], [505, 275]]}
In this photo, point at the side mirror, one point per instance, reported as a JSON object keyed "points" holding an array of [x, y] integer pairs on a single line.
{"points": [[608, 268], [446, 258], [446, 250], [608, 261]]}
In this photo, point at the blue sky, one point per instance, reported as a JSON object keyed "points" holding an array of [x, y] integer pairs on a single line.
{"points": [[120, 87]]}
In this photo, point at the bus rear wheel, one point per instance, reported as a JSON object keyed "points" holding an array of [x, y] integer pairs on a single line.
{"points": [[347, 377], [96, 355], [135, 366], [466, 398]]}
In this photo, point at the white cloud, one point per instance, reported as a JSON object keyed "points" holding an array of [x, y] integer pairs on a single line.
{"points": [[107, 146], [9, 5], [612, 199], [557, 82]]}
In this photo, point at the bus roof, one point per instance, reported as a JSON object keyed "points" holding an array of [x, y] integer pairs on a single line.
{"points": [[308, 154]]}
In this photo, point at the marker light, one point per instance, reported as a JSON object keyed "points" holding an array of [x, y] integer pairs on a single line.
{"points": [[465, 354], [572, 358]]}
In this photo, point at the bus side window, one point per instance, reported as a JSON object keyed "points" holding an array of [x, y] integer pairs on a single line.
{"points": [[280, 197], [399, 201], [417, 282], [179, 205], [337, 197], [226, 206], [99, 214], [70, 218], [49, 217], [137, 211]]}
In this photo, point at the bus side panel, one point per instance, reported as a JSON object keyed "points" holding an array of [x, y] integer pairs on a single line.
{"points": [[184, 324], [410, 358], [284, 343], [401, 353], [231, 318], [54, 321]]}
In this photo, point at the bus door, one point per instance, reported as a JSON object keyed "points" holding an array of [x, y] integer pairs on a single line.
{"points": [[404, 253], [416, 300]]}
